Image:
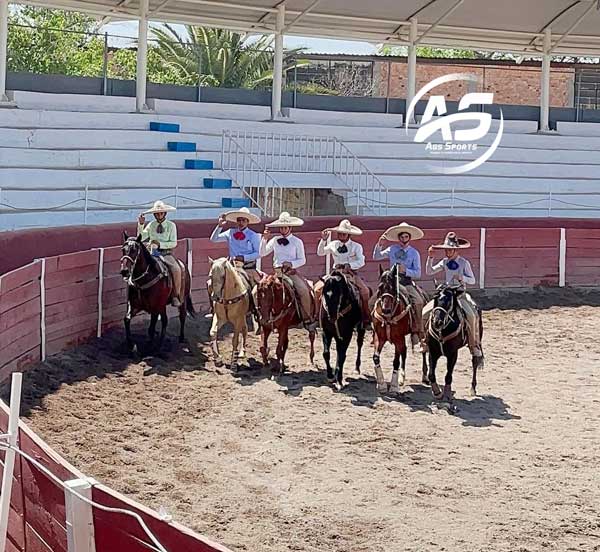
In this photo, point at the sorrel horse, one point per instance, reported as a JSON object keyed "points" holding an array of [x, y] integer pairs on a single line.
{"points": [[149, 290], [392, 323], [446, 334], [277, 311], [231, 303], [340, 314]]}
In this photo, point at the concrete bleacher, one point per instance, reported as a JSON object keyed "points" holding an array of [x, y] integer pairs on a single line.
{"points": [[48, 157]]}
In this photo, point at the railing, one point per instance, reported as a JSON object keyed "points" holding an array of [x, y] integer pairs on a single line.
{"points": [[246, 171], [315, 154]]}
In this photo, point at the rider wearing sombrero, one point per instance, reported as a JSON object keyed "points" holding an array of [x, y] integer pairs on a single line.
{"points": [[408, 261], [243, 242], [288, 256], [162, 236], [348, 256], [457, 270]]}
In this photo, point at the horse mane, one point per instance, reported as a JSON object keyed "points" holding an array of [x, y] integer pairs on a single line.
{"points": [[222, 264], [148, 257]]}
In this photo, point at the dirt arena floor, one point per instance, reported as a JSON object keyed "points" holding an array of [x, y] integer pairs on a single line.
{"points": [[291, 465]]}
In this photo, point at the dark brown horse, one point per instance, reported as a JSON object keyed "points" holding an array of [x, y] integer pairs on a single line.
{"points": [[392, 323], [278, 311], [150, 290]]}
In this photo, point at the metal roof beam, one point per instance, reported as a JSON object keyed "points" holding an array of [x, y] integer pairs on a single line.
{"points": [[574, 25], [439, 20], [301, 15]]}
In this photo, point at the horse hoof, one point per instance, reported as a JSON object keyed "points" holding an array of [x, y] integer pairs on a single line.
{"points": [[218, 362], [473, 392], [358, 370], [242, 354], [338, 386], [425, 381], [395, 390], [330, 380], [382, 387], [436, 391]]}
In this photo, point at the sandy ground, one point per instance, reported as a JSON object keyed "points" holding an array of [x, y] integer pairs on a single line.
{"points": [[260, 465]]}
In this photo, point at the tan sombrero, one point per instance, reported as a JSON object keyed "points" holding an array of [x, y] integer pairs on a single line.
{"points": [[285, 219], [244, 212], [392, 233], [160, 207], [345, 227], [452, 241]]}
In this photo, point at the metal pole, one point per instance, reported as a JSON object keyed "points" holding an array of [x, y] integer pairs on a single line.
{"points": [[411, 86], [9, 458], [545, 88], [200, 74], [3, 49], [295, 82], [387, 94], [142, 59], [278, 64], [105, 66]]}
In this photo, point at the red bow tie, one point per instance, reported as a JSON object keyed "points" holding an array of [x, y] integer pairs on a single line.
{"points": [[239, 235]]}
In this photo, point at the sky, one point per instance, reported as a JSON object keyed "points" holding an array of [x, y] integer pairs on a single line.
{"points": [[314, 45]]}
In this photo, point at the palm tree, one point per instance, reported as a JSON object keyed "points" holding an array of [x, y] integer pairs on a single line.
{"points": [[217, 57]]}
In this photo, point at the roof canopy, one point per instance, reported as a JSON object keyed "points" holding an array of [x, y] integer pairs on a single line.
{"points": [[508, 25]]}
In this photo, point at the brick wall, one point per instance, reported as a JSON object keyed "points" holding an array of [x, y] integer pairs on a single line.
{"points": [[511, 84]]}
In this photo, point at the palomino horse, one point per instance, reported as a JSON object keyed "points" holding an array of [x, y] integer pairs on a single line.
{"points": [[231, 303], [340, 314], [149, 289], [446, 334], [278, 311], [392, 322]]}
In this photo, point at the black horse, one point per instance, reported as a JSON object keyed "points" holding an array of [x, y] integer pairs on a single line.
{"points": [[446, 334], [340, 314]]}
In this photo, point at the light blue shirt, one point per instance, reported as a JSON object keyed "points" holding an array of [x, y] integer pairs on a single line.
{"points": [[408, 256], [248, 248]]}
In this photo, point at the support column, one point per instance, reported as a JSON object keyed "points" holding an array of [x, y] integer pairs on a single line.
{"points": [[4, 99], [142, 59], [411, 78], [545, 87], [278, 64]]}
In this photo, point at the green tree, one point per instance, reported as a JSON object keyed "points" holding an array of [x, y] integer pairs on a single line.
{"points": [[227, 59], [430, 52]]}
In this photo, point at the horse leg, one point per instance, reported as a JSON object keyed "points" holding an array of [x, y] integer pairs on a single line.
{"points": [[311, 337], [424, 378], [399, 352], [164, 321], [214, 342], [282, 345], [378, 345], [242, 353], [152, 328], [131, 347], [182, 317], [434, 356], [475, 363], [264, 349], [452, 357], [360, 339], [327, 355], [341, 347], [235, 341]]}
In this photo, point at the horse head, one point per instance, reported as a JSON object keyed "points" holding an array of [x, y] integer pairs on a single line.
{"points": [[218, 275], [271, 297], [336, 293], [444, 306], [387, 290], [132, 251]]}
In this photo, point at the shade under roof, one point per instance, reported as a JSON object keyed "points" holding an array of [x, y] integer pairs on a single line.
{"points": [[508, 25]]}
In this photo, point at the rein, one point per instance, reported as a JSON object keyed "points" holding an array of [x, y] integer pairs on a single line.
{"points": [[448, 319], [389, 320], [284, 310], [233, 300], [133, 282]]}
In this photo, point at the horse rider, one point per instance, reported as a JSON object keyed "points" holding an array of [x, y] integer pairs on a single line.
{"points": [[162, 236], [408, 261], [243, 242], [457, 270], [348, 257], [288, 256]]}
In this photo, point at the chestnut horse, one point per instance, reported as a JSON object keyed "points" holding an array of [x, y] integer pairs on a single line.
{"points": [[392, 322], [150, 290], [277, 311]]}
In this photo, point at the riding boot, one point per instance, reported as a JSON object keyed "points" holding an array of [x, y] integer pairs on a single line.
{"points": [[176, 302]]}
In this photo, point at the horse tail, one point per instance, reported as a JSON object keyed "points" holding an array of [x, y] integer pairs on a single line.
{"points": [[189, 306]]}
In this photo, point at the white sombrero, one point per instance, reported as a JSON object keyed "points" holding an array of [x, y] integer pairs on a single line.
{"points": [[345, 227], [392, 233], [160, 207], [285, 219], [452, 241], [244, 212]]}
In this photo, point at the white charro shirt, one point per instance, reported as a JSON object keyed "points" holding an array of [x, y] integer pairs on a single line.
{"points": [[354, 256], [292, 252], [463, 269]]}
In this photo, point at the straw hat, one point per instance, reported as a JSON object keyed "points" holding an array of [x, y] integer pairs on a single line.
{"points": [[451, 241], [392, 233], [285, 219], [244, 212], [160, 207], [345, 227]]}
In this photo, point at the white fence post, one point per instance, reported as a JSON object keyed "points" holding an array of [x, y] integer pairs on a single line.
{"points": [[85, 208], [9, 458], [482, 259], [43, 309], [79, 517], [562, 258], [100, 289], [190, 259], [328, 258]]}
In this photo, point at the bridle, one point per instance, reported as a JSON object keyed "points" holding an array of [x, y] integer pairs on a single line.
{"points": [[340, 313], [447, 319], [221, 299], [388, 320], [133, 282], [284, 310]]}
